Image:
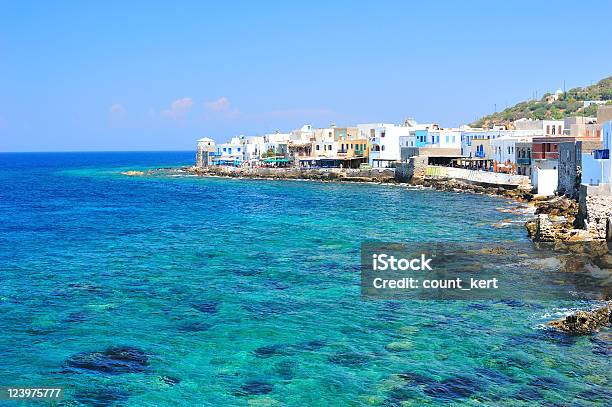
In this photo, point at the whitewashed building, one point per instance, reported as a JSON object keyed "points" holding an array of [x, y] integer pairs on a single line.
{"points": [[547, 127], [503, 148]]}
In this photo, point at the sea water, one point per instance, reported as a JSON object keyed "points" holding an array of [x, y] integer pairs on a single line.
{"points": [[246, 292]]}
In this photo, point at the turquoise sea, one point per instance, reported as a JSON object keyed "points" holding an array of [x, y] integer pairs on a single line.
{"points": [[166, 291]]}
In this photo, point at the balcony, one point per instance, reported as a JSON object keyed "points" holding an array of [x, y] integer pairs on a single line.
{"points": [[523, 161], [479, 154], [601, 154]]}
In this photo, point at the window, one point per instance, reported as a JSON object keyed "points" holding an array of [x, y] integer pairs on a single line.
{"points": [[383, 148], [547, 129], [559, 132], [317, 147], [553, 129], [447, 139], [224, 149]]}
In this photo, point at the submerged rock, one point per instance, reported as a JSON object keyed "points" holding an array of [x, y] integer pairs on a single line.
{"points": [[114, 360], [255, 388], [454, 388], [584, 322], [207, 307]]}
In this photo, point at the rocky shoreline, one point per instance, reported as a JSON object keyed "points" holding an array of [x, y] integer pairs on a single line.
{"points": [[584, 322]]}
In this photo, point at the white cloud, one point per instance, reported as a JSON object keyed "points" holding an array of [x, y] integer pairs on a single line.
{"points": [[178, 109], [222, 107], [117, 111], [219, 105]]}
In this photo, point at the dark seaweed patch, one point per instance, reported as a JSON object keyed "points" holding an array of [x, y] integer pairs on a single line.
{"points": [[207, 307], [115, 360], [312, 345], [255, 388], [458, 387], [493, 375]]}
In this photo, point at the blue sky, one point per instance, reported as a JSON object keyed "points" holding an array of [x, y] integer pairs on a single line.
{"points": [[78, 76]]}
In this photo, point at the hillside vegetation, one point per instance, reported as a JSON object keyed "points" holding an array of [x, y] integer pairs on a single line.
{"points": [[568, 104]]}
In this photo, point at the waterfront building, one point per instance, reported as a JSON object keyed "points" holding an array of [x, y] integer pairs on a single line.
{"points": [[522, 151], [232, 153], [503, 153], [385, 141], [596, 166], [469, 135], [205, 152], [254, 146], [545, 163], [324, 145], [353, 151]]}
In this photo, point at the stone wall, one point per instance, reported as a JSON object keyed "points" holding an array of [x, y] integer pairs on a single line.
{"points": [[595, 214], [479, 177], [322, 174], [570, 163], [413, 168]]}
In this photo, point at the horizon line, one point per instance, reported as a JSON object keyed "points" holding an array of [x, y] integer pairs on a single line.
{"points": [[96, 151]]}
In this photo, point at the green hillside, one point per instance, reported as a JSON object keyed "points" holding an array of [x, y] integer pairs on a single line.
{"points": [[568, 104]]}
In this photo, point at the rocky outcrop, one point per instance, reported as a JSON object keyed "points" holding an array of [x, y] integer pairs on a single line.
{"points": [[555, 221], [595, 214], [323, 174], [584, 322]]}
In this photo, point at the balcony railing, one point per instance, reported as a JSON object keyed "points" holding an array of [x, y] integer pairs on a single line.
{"points": [[601, 154], [523, 161], [479, 154]]}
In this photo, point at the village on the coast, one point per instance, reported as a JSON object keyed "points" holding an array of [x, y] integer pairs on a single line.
{"points": [[541, 150], [568, 157]]}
